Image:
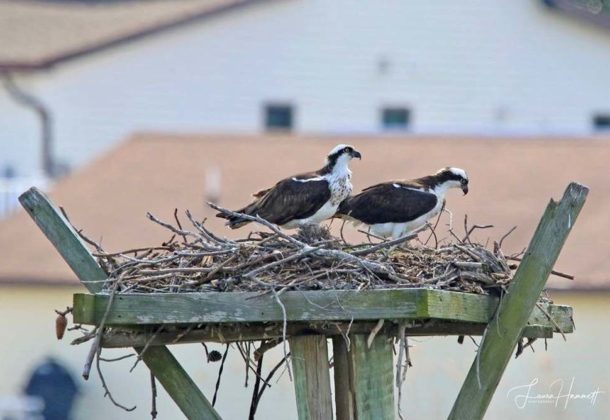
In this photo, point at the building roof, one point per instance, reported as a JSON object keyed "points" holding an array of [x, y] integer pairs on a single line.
{"points": [[594, 12], [512, 180], [41, 34]]}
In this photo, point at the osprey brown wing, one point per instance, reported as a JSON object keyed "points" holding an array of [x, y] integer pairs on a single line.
{"points": [[288, 200], [291, 200], [389, 203]]}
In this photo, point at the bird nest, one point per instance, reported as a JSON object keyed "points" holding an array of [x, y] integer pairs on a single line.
{"points": [[195, 259]]}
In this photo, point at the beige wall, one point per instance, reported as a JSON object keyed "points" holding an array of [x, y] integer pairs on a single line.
{"points": [[27, 319]]}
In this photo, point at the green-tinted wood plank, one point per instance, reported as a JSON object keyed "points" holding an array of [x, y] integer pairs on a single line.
{"points": [[219, 307], [83, 309], [177, 383], [505, 328], [195, 308], [562, 315], [309, 357], [63, 237], [67, 242], [344, 400], [372, 376], [443, 304]]}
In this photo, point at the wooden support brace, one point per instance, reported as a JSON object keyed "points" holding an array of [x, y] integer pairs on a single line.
{"points": [[177, 383], [309, 355], [505, 328], [159, 359]]}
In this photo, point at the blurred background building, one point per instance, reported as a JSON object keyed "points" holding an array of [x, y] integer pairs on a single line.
{"points": [[518, 93]]}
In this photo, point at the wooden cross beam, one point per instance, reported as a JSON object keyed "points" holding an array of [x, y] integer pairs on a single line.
{"points": [[505, 328], [159, 359]]}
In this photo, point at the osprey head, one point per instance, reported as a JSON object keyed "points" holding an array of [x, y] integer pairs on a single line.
{"points": [[453, 178], [342, 152]]}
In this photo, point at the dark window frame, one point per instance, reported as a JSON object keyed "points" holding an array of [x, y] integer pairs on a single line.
{"points": [[601, 121], [274, 121], [395, 118]]}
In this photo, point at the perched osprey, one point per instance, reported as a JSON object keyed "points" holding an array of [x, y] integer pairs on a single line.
{"points": [[396, 208], [304, 199]]}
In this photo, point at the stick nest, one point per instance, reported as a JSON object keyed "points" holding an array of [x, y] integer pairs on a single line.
{"points": [[195, 259]]}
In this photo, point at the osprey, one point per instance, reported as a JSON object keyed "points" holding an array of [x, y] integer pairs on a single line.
{"points": [[397, 208], [303, 199]]}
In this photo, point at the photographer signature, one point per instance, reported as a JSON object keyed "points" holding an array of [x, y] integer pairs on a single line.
{"points": [[525, 394]]}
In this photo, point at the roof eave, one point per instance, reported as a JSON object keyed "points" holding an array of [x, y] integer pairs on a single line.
{"points": [[50, 62]]}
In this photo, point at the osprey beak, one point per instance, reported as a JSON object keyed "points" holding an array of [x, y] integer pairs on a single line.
{"points": [[465, 188], [356, 154]]}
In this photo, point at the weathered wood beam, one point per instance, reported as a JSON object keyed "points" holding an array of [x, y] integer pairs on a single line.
{"points": [[219, 307], [505, 328], [131, 336], [159, 360], [372, 377], [309, 357], [335, 305], [177, 383], [63, 237]]}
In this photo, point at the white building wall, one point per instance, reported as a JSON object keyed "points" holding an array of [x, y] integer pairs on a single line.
{"points": [[475, 67]]}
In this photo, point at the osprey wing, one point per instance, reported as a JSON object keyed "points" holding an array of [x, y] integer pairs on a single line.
{"points": [[390, 202], [292, 198]]}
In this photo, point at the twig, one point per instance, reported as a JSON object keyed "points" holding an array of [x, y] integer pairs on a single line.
{"points": [[385, 244], [259, 220], [506, 235], [95, 346], [153, 388], [220, 369], [399, 377], [270, 375], [556, 273], [179, 224], [373, 333], [266, 346], [341, 232], [116, 359], [107, 392], [255, 391]]}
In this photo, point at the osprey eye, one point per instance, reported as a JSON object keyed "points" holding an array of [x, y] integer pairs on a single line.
{"points": [[346, 150]]}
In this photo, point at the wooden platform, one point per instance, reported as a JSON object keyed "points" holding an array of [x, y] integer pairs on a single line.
{"points": [[363, 363], [234, 316]]}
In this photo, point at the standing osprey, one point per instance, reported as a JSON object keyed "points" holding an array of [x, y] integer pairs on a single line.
{"points": [[397, 208], [303, 199]]}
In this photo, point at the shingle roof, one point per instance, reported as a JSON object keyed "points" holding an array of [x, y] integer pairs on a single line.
{"points": [[511, 183], [36, 34]]}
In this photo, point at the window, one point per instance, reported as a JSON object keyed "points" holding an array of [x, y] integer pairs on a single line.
{"points": [[395, 118], [601, 122], [279, 117]]}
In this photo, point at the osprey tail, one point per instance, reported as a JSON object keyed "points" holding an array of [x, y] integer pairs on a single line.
{"points": [[235, 222]]}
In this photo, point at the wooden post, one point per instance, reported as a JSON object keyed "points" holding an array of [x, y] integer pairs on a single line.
{"points": [[505, 328], [309, 354], [344, 400], [372, 377], [159, 360]]}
